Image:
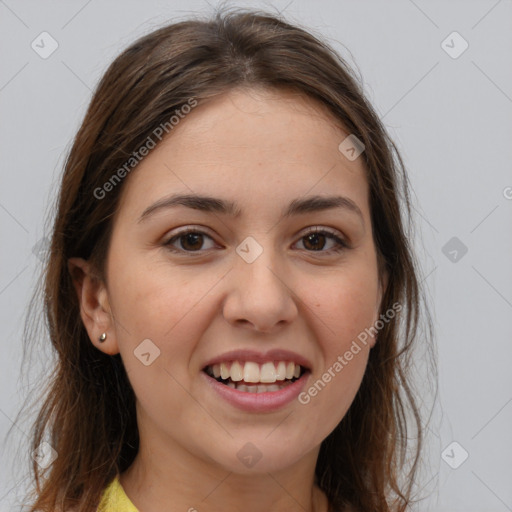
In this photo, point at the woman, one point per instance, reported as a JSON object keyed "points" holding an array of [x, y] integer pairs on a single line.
{"points": [[230, 288]]}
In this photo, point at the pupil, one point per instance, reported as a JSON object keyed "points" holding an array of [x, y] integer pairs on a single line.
{"points": [[194, 237], [314, 237]]}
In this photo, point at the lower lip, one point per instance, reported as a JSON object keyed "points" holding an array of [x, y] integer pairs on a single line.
{"points": [[267, 401]]}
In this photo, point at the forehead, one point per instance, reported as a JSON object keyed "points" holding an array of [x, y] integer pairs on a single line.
{"points": [[250, 146]]}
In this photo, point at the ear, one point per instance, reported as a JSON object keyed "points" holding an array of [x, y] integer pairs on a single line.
{"points": [[94, 305]]}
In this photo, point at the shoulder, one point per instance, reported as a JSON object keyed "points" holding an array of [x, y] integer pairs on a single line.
{"points": [[114, 498], [109, 497]]}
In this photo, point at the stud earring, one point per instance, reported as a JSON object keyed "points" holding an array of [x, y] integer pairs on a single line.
{"points": [[103, 337]]}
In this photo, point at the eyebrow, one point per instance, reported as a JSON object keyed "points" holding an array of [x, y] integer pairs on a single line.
{"points": [[204, 203]]}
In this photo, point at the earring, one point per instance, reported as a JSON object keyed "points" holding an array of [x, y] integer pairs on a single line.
{"points": [[103, 337]]}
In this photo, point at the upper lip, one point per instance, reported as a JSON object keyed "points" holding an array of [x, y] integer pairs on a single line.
{"points": [[260, 357]]}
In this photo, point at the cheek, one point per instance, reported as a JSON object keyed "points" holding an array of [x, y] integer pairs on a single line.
{"points": [[350, 312], [331, 390], [345, 308], [356, 310], [167, 305], [157, 314], [347, 303]]}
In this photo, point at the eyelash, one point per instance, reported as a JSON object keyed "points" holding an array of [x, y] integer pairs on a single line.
{"points": [[341, 244]]}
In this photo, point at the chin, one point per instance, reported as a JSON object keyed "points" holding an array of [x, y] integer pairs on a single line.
{"points": [[258, 455]]}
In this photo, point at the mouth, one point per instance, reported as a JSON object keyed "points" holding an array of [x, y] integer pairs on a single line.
{"points": [[253, 377]]}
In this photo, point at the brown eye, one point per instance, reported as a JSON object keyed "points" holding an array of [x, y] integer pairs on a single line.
{"points": [[189, 241], [316, 241]]}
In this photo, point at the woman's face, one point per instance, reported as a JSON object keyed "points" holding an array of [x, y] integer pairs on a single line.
{"points": [[249, 285]]}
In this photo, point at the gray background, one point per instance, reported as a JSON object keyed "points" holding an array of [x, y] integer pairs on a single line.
{"points": [[451, 119]]}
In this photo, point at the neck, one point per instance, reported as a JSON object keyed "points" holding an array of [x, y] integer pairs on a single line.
{"points": [[159, 477]]}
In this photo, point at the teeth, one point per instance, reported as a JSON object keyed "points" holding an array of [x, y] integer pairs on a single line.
{"points": [[251, 372], [224, 371], [262, 388], [268, 373], [237, 372], [281, 371]]}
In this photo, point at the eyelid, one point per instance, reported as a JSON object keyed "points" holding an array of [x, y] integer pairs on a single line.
{"points": [[339, 238], [335, 235], [183, 231], [320, 229]]}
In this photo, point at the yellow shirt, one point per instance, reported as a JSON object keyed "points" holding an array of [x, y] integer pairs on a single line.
{"points": [[114, 499]]}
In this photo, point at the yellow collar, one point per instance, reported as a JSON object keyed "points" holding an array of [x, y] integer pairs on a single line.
{"points": [[114, 499]]}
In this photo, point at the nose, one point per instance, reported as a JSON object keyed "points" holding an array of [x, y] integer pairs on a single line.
{"points": [[259, 297]]}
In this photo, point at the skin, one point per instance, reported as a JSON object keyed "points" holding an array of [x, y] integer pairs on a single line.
{"points": [[261, 149]]}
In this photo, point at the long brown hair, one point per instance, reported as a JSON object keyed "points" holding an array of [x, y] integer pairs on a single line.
{"points": [[88, 408]]}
